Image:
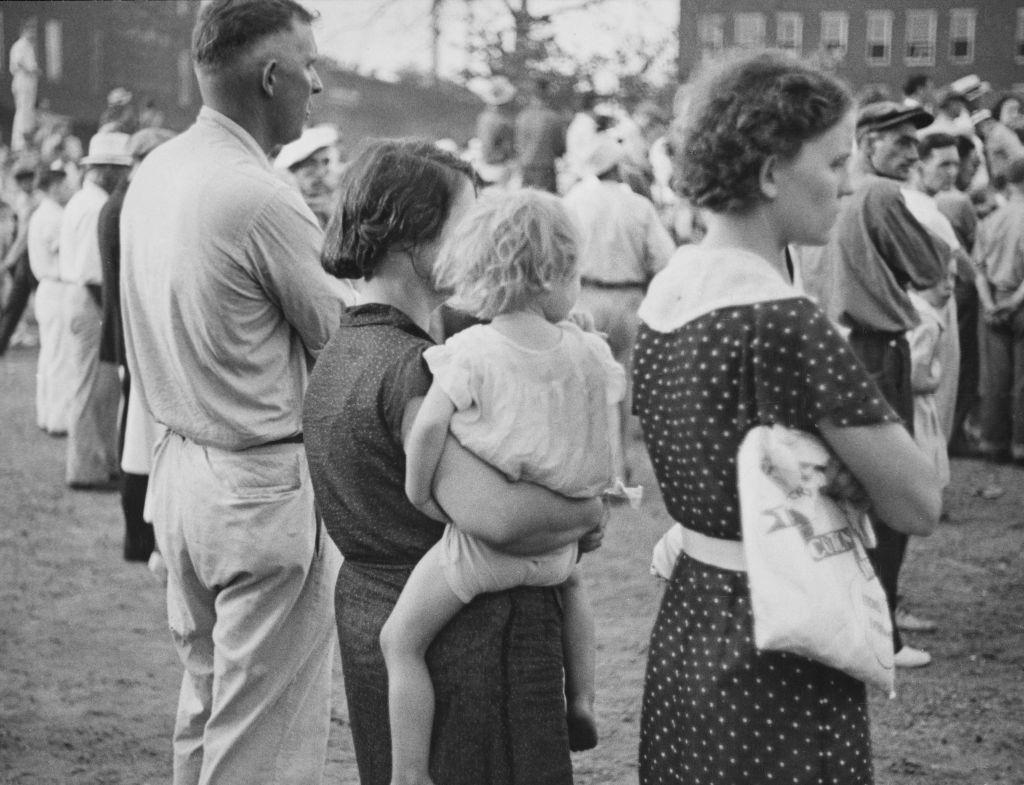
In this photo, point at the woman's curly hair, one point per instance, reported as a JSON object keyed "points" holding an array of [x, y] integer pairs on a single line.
{"points": [[509, 248], [395, 195], [742, 111]]}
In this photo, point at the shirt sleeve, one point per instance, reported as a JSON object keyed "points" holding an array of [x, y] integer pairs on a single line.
{"points": [[615, 374], [285, 245], [805, 371], [405, 379], [452, 371]]}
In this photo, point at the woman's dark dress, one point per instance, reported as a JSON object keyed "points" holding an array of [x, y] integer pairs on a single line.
{"points": [[715, 710], [497, 667]]}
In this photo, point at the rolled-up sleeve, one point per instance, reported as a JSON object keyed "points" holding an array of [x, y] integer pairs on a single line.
{"points": [[285, 243]]}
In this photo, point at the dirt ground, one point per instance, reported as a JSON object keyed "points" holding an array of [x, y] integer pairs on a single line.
{"points": [[88, 678]]}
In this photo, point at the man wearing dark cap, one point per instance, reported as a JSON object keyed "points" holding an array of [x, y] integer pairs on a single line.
{"points": [[878, 250], [138, 540]]}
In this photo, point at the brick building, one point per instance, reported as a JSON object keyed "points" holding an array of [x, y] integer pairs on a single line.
{"points": [[868, 43], [87, 48]]}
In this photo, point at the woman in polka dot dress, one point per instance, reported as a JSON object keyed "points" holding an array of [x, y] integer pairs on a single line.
{"points": [[727, 344]]}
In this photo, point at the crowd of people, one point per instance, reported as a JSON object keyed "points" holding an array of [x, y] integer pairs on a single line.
{"points": [[386, 403]]}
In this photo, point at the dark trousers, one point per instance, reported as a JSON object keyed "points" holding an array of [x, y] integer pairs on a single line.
{"points": [[886, 356], [139, 540], [23, 285], [967, 387], [1002, 398]]}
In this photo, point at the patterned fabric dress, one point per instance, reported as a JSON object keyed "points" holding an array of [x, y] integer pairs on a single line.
{"points": [[716, 710]]}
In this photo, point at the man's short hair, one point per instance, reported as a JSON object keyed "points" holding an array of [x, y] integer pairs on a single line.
{"points": [[914, 83], [227, 28], [50, 177], [1014, 172], [929, 143]]}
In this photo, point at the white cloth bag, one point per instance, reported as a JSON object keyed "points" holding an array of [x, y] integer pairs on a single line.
{"points": [[813, 591]]}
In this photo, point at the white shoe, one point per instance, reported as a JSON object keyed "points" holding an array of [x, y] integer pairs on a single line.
{"points": [[158, 567], [909, 657]]}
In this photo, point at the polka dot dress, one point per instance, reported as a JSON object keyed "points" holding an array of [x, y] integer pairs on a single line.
{"points": [[716, 710]]}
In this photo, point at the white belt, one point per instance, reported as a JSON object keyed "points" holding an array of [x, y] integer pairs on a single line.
{"points": [[724, 554]]}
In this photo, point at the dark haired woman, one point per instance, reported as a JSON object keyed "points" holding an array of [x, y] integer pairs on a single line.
{"points": [[726, 344], [497, 667]]}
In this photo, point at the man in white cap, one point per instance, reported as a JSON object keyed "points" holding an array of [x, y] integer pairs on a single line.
{"points": [[134, 447], [310, 159], [225, 307], [623, 245], [92, 415]]}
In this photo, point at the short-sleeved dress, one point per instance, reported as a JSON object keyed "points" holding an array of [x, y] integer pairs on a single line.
{"points": [[535, 414], [715, 710], [497, 667]]}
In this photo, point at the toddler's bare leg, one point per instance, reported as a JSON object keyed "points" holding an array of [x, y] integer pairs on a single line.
{"points": [[579, 647], [425, 606]]}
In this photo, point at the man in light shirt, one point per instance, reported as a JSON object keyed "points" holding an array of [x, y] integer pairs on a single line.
{"points": [[24, 84], [52, 388], [225, 307], [95, 390], [622, 245]]}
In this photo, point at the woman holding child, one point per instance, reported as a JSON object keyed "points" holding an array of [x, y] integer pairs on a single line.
{"points": [[497, 667], [726, 344]]}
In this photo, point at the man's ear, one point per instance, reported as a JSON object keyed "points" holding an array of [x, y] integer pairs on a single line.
{"points": [[766, 180], [268, 77]]}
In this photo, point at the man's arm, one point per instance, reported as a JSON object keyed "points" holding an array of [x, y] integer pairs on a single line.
{"points": [[285, 246]]}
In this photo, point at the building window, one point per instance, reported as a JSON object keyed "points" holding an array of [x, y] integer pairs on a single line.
{"points": [[835, 29], [789, 33], [185, 78], [920, 38], [879, 37], [749, 30], [54, 38], [1018, 49], [961, 35], [711, 35], [96, 62]]}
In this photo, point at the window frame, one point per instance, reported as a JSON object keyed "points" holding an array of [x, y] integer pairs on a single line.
{"points": [[759, 27], [886, 17], [1018, 39], [53, 45], [970, 17], [932, 18], [712, 46], [842, 19], [797, 21]]}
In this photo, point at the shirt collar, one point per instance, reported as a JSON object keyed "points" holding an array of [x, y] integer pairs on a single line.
{"points": [[214, 119], [381, 314]]}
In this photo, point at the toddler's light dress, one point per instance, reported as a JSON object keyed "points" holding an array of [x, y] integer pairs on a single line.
{"points": [[539, 415]]}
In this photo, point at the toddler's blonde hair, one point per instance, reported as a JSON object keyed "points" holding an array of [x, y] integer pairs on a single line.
{"points": [[509, 248]]}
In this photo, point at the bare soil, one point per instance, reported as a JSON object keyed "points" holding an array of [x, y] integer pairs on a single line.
{"points": [[88, 678]]}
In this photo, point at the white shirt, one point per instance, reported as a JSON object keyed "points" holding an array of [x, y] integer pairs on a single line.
{"points": [[44, 240], [224, 299], [79, 242], [23, 62], [623, 240]]}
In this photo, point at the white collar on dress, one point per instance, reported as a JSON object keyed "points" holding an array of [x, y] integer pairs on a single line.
{"points": [[698, 281]]}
